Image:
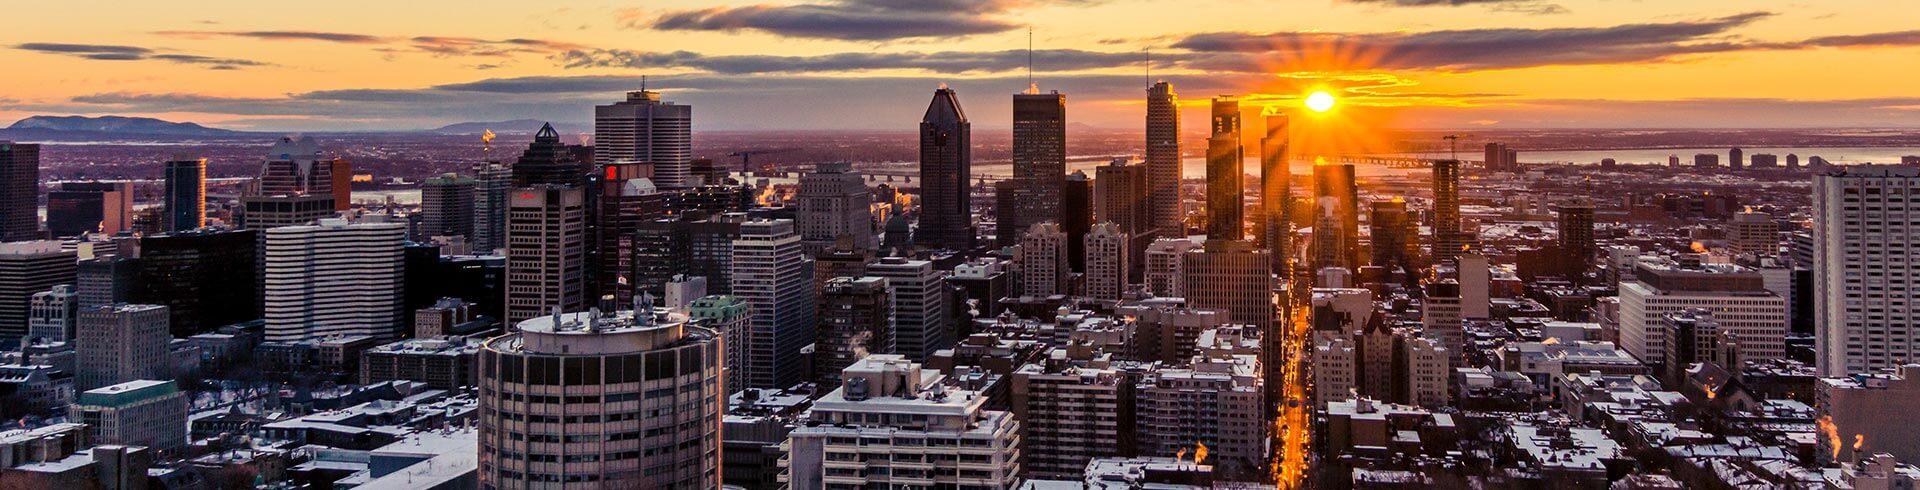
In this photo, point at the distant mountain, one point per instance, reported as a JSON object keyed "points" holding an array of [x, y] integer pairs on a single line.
{"points": [[117, 125], [516, 126]]}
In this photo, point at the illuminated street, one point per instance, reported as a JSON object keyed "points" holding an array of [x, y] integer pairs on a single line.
{"points": [[1294, 423]]}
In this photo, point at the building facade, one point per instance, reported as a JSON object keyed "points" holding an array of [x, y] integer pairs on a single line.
{"points": [[334, 279], [646, 129]]}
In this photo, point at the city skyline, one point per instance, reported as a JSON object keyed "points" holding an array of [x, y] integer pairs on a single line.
{"points": [[1481, 64]]}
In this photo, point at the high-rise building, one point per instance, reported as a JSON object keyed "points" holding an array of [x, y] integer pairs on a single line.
{"points": [[1864, 323], [1218, 401], [1753, 232], [115, 344], [1276, 192], [625, 200], [1076, 217], [727, 316], [546, 251], [1576, 236], [1107, 254], [887, 408], [619, 437], [1329, 248], [206, 278], [1393, 235], [447, 206], [1234, 277], [834, 202], [1706, 160], [856, 320], [982, 282], [1075, 408], [26, 269], [51, 315], [1006, 213], [185, 198], [645, 129], [1039, 156], [19, 191], [493, 183], [1163, 159], [135, 413], [1501, 158], [1336, 181], [921, 321], [296, 167], [1165, 273], [1122, 197], [1448, 241], [1225, 175], [549, 161], [88, 207], [1044, 270], [334, 279], [1736, 296], [775, 279], [1735, 159], [1873, 410], [264, 212], [946, 175], [1694, 337]]}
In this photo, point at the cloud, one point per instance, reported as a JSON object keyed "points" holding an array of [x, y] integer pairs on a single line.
{"points": [[951, 62], [1883, 39], [335, 37], [435, 45], [1536, 7], [105, 52], [853, 20]]}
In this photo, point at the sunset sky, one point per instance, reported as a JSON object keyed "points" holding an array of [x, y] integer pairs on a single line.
{"points": [[872, 64]]}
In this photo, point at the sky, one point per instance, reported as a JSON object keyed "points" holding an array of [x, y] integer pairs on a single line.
{"points": [[873, 64]]}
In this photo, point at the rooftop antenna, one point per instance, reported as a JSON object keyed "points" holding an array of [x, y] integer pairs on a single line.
{"points": [[1149, 50], [1030, 57], [643, 83]]}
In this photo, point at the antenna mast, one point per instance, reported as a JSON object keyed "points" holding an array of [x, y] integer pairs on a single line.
{"points": [[1030, 56]]}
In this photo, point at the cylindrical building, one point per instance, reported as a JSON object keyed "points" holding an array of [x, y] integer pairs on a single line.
{"points": [[601, 400]]}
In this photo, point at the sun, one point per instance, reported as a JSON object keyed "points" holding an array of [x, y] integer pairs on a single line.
{"points": [[1320, 101]]}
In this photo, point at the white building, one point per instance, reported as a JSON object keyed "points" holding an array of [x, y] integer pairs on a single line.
{"points": [[1863, 278], [891, 424], [920, 320], [834, 202], [775, 279], [120, 343], [50, 315], [1335, 371], [1106, 262], [1427, 371], [334, 278], [645, 129], [1165, 277], [1736, 296], [1043, 261], [1219, 402]]}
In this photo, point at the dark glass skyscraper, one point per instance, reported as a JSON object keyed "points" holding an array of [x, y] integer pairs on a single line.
{"points": [[1163, 159], [548, 161], [946, 163], [1447, 240], [19, 191], [1076, 217], [1225, 178], [1276, 193], [206, 279], [87, 207], [1336, 181], [186, 194], [1039, 156]]}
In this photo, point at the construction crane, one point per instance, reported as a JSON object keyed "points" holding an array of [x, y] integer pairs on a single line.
{"points": [[746, 156]]}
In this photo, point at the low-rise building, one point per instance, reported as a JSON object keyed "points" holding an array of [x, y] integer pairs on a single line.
{"points": [[889, 413]]}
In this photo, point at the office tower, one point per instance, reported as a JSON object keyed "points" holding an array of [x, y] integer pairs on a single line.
{"points": [[1495, 153], [546, 251], [1735, 160], [1006, 213], [1706, 160], [921, 320], [295, 167], [1329, 250], [946, 163], [1448, 241], [1337, 182], [548, 161], [1233, 277], [1753, 232], [88, 207], [1393, 235], [618, 437], [856, 320], [19, 191], [775, 279], [1874, 410], [834, 202], [1443, 316], [1476, 284], [1576, 237], [1039, 156], [1165, 273], [1736, 296], [625, 199], [333, 279], [135, 413], [447, 206], [1043, 261], [493, 182], [119, 343], [1076, 217], [1121, 196], [645, 129], [1694, 337], [207, 278], [1163, 160], [1225, 173], [1166, 331], [1276, 192], [264, 212], [26, 269], [1865, 322], [1075, 408], [982, 283], [1107, 254], [51, 315], [841, 259], [887, 410], [728, 317], [1218, 401], [185, 198]]}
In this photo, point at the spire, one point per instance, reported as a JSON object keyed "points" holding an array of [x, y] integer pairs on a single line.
{"points": [[547, 134], [945, 108]]}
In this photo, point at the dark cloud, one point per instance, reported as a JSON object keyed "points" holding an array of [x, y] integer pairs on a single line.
{"points": [[1883, 39], [335, 37], [853, 20], [1537, 7], [956, 62], [135, 53], [468, 46], [1475, 49]]}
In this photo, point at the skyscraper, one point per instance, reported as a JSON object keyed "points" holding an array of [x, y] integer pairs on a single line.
{"points": [[775, 279], [1276, 192], [1863, 317], [296, 167], [548, 161], [624, 200], [446, 206], [621, 357], [186, 194], [19, 191], [1576, 236], [834, 202], [119, 343], [946, 163], [921, 324], [27, 268], [645, 129], [1163, 159], [856, 320], [333, 278], [1234, 277], [1447, 239], [1336, 181], [1392, 235], [1165, 271], [206, 279], [1736, 159], [88, 207], [1107, 266], [1039, 155], [1076, 217], [1225, 213], [1044, 270], [51, 315], [493, 183], [546, 251], [1121, 195]]}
